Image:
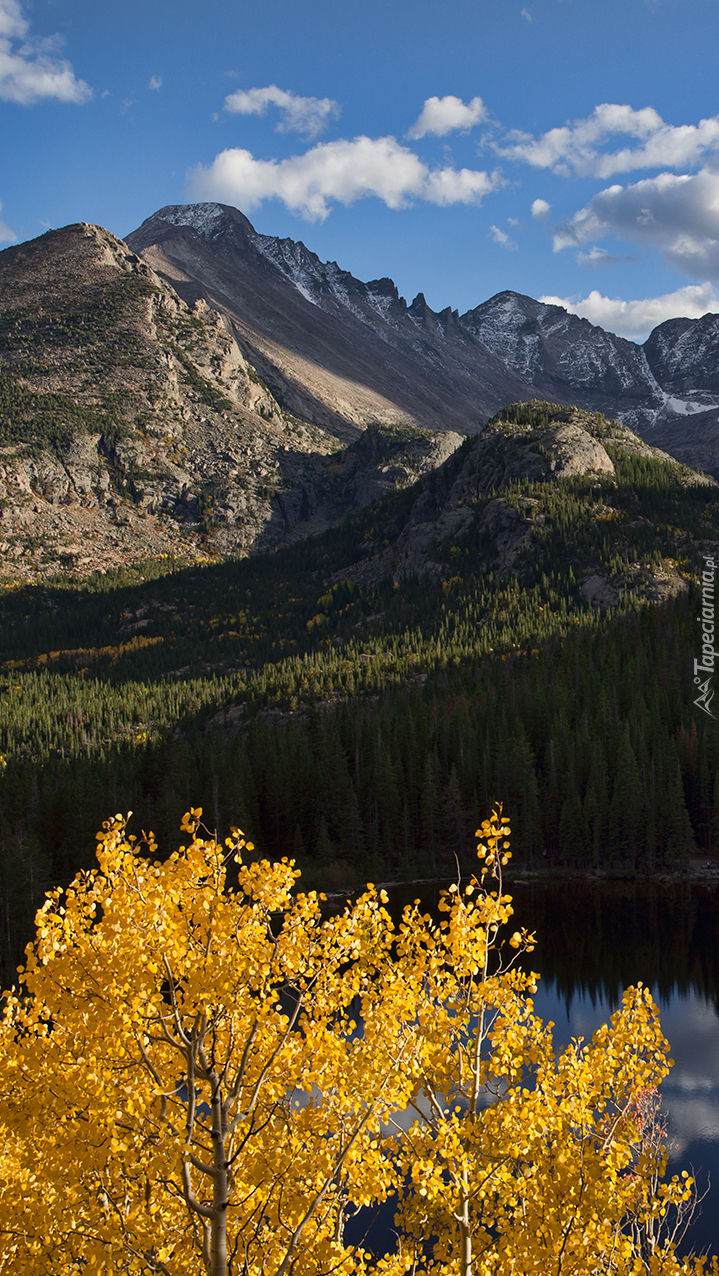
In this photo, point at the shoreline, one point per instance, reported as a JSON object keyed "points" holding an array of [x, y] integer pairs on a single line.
{"points": [[696, 872]]}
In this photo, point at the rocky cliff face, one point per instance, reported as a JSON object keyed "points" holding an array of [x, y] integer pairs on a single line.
{"points": [[553, 350], [683, 355], [132, 424], [337, 350]]}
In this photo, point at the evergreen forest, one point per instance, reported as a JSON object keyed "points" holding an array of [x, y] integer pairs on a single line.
{"points": [[363, 722]]}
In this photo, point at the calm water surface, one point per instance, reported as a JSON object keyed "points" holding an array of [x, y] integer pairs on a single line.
{"points": [[595, 940]]}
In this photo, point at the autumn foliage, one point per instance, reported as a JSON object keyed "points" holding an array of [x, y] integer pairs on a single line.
{"points": [[200, 1076]]}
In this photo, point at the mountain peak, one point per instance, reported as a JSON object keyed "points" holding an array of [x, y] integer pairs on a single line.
{"points": [[210, 222], [384, 287]]}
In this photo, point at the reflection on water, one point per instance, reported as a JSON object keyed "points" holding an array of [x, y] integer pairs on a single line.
{"points": [[690, 1094], [596, 939]]}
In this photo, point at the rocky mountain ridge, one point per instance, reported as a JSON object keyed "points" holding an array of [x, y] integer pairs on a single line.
{"points": [[204, 390], [335, 345]]}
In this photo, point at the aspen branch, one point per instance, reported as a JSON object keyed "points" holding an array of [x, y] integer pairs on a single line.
{"points": [[205, 1211]]}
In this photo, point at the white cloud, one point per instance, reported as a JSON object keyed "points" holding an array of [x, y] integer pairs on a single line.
{"points": [[442, 115], [676, 213], [574, 149], [692, 1117], [155, 82], [635, 319], [33, 71], [306, 115], [7, 236], [12, 23], [341, 171], [502, 238], [541, 209], [457, 186], [526, 15]]}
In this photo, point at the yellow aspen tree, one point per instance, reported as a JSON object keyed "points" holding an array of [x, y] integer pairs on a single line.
{"points": [[184, 1085]]}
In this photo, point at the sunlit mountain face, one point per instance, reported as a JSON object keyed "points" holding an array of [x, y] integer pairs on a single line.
{"points": [[342, 350]]}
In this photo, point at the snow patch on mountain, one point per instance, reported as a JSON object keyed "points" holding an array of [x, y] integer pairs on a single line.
{"points": [[381, 304], [203, 218], [687, 407]]}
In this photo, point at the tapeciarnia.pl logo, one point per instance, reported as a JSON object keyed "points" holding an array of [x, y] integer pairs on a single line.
{"points": [[705, 666]]}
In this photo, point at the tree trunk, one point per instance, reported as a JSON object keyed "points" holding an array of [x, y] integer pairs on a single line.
{"points": [[219, 1190], [465, 1265]]}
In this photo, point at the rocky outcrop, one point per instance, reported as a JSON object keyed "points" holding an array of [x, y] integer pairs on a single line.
{"points": [[508, 452], [537, 442]]}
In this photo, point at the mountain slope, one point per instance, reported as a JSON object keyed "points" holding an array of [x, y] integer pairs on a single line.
{"points": [[683, 355], [335, 350], [551, 513]]}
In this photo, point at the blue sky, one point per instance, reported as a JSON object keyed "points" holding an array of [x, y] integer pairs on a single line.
{"points": [[563, 148]]}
